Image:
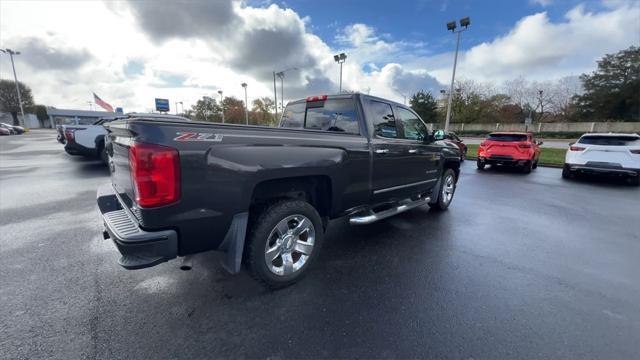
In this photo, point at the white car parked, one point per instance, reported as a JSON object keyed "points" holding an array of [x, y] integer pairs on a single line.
{"points": [[614, 154]]}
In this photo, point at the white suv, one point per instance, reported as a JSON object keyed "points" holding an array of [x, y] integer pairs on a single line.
{"points": [[615, 154]]}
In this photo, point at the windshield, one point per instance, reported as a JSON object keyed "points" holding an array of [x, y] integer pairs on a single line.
{"points": [[507, 137], [608, 140]]}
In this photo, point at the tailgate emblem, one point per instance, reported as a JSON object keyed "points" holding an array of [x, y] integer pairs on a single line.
{"points": [[194, 136]]}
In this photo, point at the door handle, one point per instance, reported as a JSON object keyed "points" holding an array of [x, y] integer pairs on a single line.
{"points": [[382, 151], [412, 151]]}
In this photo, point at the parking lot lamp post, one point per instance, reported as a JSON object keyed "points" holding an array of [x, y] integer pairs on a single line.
{"points": [[221, 105], [281, 76], [15, 78], [246, 105], [275, 95], [340, 59], [464, 23]]}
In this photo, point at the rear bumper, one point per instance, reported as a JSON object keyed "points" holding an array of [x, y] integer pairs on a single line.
{"points": [[73, 148], [503, 160], [591, 168], [139, 248]]}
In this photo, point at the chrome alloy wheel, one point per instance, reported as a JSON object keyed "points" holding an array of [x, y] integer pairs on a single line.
{"points": [[448, 188], [289, 245]]}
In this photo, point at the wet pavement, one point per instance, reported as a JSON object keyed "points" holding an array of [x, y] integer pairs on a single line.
{"points": [[521, 266]]}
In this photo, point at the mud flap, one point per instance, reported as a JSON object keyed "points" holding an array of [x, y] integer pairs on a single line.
{"points": [[233, 243]]}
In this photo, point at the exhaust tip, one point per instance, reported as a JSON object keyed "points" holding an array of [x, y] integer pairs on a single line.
{"points": [[185, 267]]}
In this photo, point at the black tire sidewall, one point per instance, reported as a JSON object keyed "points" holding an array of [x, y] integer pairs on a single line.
{"points": [[258, 236], [480, 164]]}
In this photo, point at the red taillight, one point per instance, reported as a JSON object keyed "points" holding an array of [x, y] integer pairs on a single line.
{"points": [[524, 146], [317, 98], [576, 148], [69, 135], [155, 171]]}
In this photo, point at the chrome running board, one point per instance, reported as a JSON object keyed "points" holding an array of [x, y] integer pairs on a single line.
{"points": [[402, 206]]}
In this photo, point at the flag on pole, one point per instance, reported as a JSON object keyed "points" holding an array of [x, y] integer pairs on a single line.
{"points": [[102, 103]]}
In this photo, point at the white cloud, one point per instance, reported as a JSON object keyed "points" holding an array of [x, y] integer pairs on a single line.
{"points": [[130, 53], [543, 3], [540, 49]]}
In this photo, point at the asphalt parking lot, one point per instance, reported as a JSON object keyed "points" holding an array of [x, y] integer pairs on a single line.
{"points": [[521, 266]]}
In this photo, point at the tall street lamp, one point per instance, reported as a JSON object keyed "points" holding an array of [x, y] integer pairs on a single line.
{"points": [[340, 58], [275, 95], [464, 23], [221, 105], [15, 78], [246, 105], [280, 74]]}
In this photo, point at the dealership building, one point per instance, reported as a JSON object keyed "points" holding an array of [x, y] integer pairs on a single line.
{"points": [[75, 117]]}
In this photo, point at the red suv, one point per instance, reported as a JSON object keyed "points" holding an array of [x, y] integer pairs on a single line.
{"points": [[510, 148]]}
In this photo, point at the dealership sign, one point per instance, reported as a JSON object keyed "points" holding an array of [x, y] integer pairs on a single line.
{"points": [[162, 105]]}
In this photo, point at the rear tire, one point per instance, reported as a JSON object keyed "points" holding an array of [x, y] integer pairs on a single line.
{"points": [[527, 167], [446, 191], [480, 164], [535, 165], [566, 172], [103, 155], [273, 231]]}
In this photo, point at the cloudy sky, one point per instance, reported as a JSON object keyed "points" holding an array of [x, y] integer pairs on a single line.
{"points": [[132, 52]]}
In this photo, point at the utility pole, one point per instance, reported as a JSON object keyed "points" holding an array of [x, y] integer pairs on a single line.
{"points": [[464, 22], [246, 105], [15, 78], [221, 105], [275, 95]]}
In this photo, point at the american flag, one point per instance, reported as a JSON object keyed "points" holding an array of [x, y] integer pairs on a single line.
{"points": [[102, 103]]}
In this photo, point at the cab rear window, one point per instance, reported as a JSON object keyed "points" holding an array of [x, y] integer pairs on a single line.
{"points": [[507, 137], [337, 115], [610, 140]]}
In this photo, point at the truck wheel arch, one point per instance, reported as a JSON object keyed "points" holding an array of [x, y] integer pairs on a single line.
{"points": [[315, 189]]}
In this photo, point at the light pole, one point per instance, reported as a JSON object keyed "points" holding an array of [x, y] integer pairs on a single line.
{"points": [[15, 78], [281, 76], [90, 105], [464, 23], [340, 59], [246, 105], [221, 105], [275, 95]]}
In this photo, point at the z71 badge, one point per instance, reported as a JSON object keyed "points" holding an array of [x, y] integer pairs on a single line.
{"points": [[193, 136]]}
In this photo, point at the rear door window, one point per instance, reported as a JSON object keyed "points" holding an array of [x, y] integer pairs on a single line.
{"points": [[384, 122], [293, 116], [333, 115], [610, 140], [337, 115]]}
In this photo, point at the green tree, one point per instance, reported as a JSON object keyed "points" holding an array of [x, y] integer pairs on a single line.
{"points": [[205, 109], [425, 105], [233, 110], [40, 111], [262, 112], [9, 98], [613, 90]]}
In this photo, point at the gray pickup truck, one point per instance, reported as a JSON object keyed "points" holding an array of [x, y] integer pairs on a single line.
{"points": [[264, 196]]}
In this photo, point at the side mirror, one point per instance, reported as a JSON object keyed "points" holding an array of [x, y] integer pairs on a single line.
{"points": [[438, 135]]}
